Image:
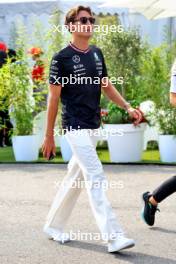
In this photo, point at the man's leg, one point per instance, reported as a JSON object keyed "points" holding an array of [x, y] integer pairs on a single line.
{"points": [[65, 198], [85, 155], [83, 148]]}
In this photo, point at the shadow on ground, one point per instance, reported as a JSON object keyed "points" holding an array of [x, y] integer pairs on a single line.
{"points": [[130, 256]]}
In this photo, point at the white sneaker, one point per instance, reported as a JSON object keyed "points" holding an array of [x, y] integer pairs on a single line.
{"points": [[120, 243], [56, 235]]}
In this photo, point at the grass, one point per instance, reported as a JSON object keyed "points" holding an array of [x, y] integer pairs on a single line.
{"points": [[149, 156], [6, 154]]}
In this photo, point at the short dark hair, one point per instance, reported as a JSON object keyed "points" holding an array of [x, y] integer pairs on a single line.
{"points": [[73, 12]]}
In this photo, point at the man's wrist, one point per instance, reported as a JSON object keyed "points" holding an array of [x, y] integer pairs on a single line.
{"points": [[127, 106], [47, 135]]}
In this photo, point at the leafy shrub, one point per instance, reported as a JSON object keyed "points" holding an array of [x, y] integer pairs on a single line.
{"points": [[166, 120]]}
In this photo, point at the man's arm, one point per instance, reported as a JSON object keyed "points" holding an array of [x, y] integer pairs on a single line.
{"points": [[116, 97], [48, 146], [173, 99], [52, 108]]}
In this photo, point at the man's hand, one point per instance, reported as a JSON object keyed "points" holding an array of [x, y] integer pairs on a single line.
{"points": [[136, 115], [48, 147], [117, 98]]}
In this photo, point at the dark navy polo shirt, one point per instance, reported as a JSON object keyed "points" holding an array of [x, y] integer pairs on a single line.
{"points": [[80, 97]]}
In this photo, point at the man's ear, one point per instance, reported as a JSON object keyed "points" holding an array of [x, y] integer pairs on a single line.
{"points": [[68, 27]]}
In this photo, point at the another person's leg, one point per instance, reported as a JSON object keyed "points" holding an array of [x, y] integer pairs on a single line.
{"points": [[151, 200], [164, 190]]}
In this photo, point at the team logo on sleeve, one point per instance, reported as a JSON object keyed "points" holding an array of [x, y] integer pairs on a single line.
{"points": [[76, 59], [54, 62], [96, 56]]}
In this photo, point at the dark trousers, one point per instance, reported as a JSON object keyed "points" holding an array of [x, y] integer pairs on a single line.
{"points": [[165, 189]]}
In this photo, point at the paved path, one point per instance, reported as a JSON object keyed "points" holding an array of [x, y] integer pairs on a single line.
{"points": [[26, 192]]}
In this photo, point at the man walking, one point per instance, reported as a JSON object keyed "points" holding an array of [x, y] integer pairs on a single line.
{"points": [[81, 120]]}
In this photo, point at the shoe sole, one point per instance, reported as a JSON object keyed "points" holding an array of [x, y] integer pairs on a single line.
{"points": [[61, 242], [122, 248], [52, 238]]}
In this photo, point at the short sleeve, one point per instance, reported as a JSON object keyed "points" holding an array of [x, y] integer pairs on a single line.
{"points": [[104, 68], [173, 84], [173, 79], [55, 72]]}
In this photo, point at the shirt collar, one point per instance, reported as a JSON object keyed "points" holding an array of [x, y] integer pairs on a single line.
{"points": [[77, 49]]}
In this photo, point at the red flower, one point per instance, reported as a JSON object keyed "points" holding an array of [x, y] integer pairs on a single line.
{"points": [[38, 72], [35, 51], [3, 46]]}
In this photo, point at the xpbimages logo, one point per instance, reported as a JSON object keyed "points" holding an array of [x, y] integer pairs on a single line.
{"points": [[99, 133], [104, 29], [87, 184], [72, 79]]}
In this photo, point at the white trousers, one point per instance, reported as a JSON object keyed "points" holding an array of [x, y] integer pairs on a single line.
{"points": [[84, 166]]}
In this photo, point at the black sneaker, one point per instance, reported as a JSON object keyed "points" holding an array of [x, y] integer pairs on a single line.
{"points": [[149, 210]]}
